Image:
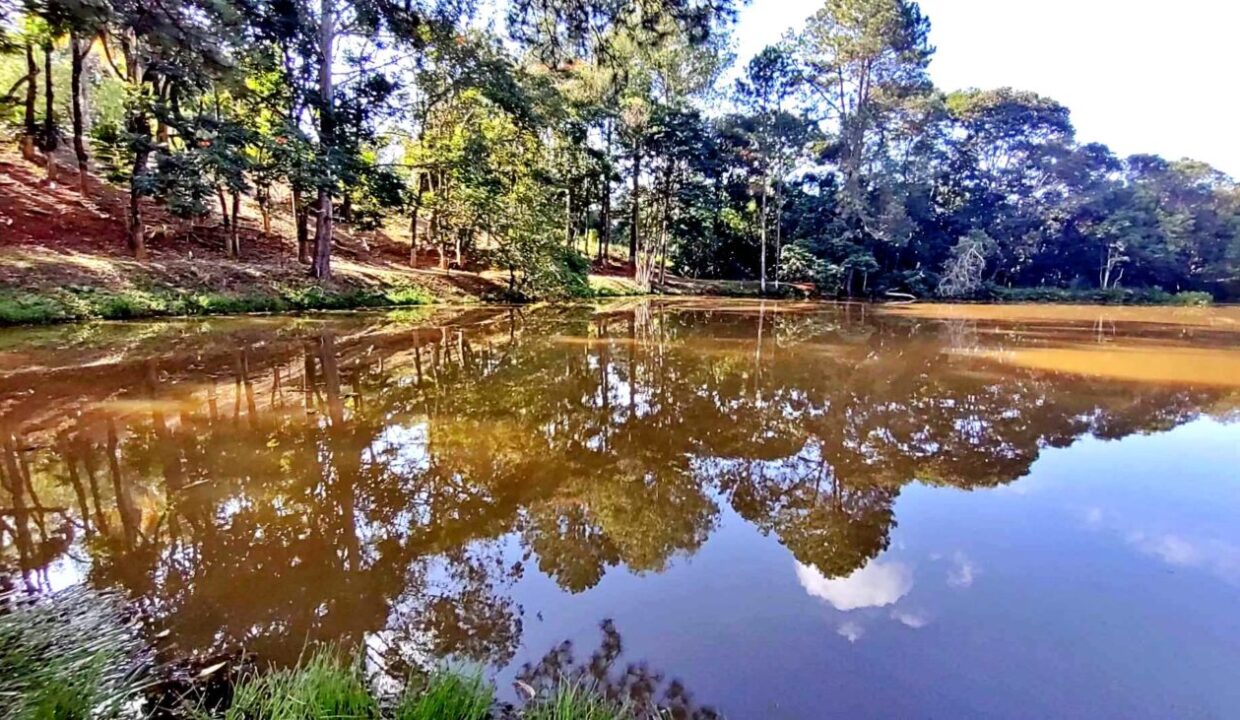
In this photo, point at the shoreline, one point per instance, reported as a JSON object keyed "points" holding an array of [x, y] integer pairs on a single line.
{"points": [[33, 307]]}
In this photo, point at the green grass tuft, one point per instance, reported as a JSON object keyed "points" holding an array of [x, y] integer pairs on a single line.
{"points": [[574, 700], [68, 656], [323, 686], [448, 695]]}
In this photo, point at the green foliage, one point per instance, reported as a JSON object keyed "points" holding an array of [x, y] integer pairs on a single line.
{"points": [[447, 695], [69, 656], [588, 127]]}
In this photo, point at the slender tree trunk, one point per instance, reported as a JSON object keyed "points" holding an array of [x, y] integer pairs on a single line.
{"points": [[762, 241], [264, 208], [30, 127], [138, 123], [636, 210], [779, 218], [604, 238], [234, 249], [219, 194], [413, 237], [302, 217], [140, 126], [321, 267], [50, 139], [78, 54]]}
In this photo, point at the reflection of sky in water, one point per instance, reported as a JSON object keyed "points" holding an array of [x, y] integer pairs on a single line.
{"points": [[1101, 585], [778, 559]]}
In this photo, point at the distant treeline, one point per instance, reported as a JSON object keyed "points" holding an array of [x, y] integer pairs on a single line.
{"points": [[606, 128]]}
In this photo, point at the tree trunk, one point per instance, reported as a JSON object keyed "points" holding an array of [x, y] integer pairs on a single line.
{"points": [[302, 218], [50, 139], [264, 208], [139, 125], [636, 219], [321, 267], [762, 241], [604, 238], [78, 54], [234, 249], [413, 237], [219, 194], [30, 128], [779, 217]]}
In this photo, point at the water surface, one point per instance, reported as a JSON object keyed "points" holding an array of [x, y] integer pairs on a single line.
{"points": [[792, 510]]}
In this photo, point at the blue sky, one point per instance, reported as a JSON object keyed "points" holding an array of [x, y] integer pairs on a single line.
{"points": [[1138, 75]]}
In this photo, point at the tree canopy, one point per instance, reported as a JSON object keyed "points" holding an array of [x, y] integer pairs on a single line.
{"points": [[829, 159]]}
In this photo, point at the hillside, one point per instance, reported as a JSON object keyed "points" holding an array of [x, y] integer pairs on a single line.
{"points": [[65, 257]]}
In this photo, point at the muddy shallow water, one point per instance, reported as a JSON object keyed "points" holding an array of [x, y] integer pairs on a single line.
{"points": [[794, 510]]}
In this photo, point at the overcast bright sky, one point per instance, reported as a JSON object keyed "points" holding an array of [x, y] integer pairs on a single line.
{"points": [[1138, 75]]}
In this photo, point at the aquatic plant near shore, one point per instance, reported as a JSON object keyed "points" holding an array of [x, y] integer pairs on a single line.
{"points": [[73, 655], [574, 700], [77, 655], [322, 686], [447, 695]]}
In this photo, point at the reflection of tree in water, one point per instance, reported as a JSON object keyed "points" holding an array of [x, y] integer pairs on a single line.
{"points": [[345, 482], [647, 692]]}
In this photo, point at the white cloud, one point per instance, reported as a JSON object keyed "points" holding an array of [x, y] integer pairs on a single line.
{"points": [[961, 573], [915, 620], [1220, 558], [877, 584], [851, 631]]}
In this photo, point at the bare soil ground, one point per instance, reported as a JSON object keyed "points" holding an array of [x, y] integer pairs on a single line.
{"points": [[52, 237]]}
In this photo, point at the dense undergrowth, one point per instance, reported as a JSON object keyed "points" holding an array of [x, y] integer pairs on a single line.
{"points": [[77, 655]]}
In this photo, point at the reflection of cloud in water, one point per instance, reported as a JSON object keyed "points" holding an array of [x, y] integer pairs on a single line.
{"points": [[961, 574], [851, 631], [1222, 559], [915, 620], [877, 584]]}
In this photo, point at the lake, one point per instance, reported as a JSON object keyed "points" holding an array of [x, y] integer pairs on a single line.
{"points": [[774, 510]]}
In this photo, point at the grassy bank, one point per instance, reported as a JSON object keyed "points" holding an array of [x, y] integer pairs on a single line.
{"points": [[24, 307], [77, 655], [1115, 296]]}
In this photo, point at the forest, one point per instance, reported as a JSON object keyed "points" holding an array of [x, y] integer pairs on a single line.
{"points": [[545, 139]]}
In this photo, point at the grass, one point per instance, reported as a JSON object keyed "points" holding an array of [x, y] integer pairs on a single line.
{"points": [[69, 656], [574, 700], [76, 304], [447, 696], [73, 655], [322, 686]]}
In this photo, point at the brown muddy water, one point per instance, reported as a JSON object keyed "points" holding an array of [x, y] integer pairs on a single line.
{"points": [[793, 510]]}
